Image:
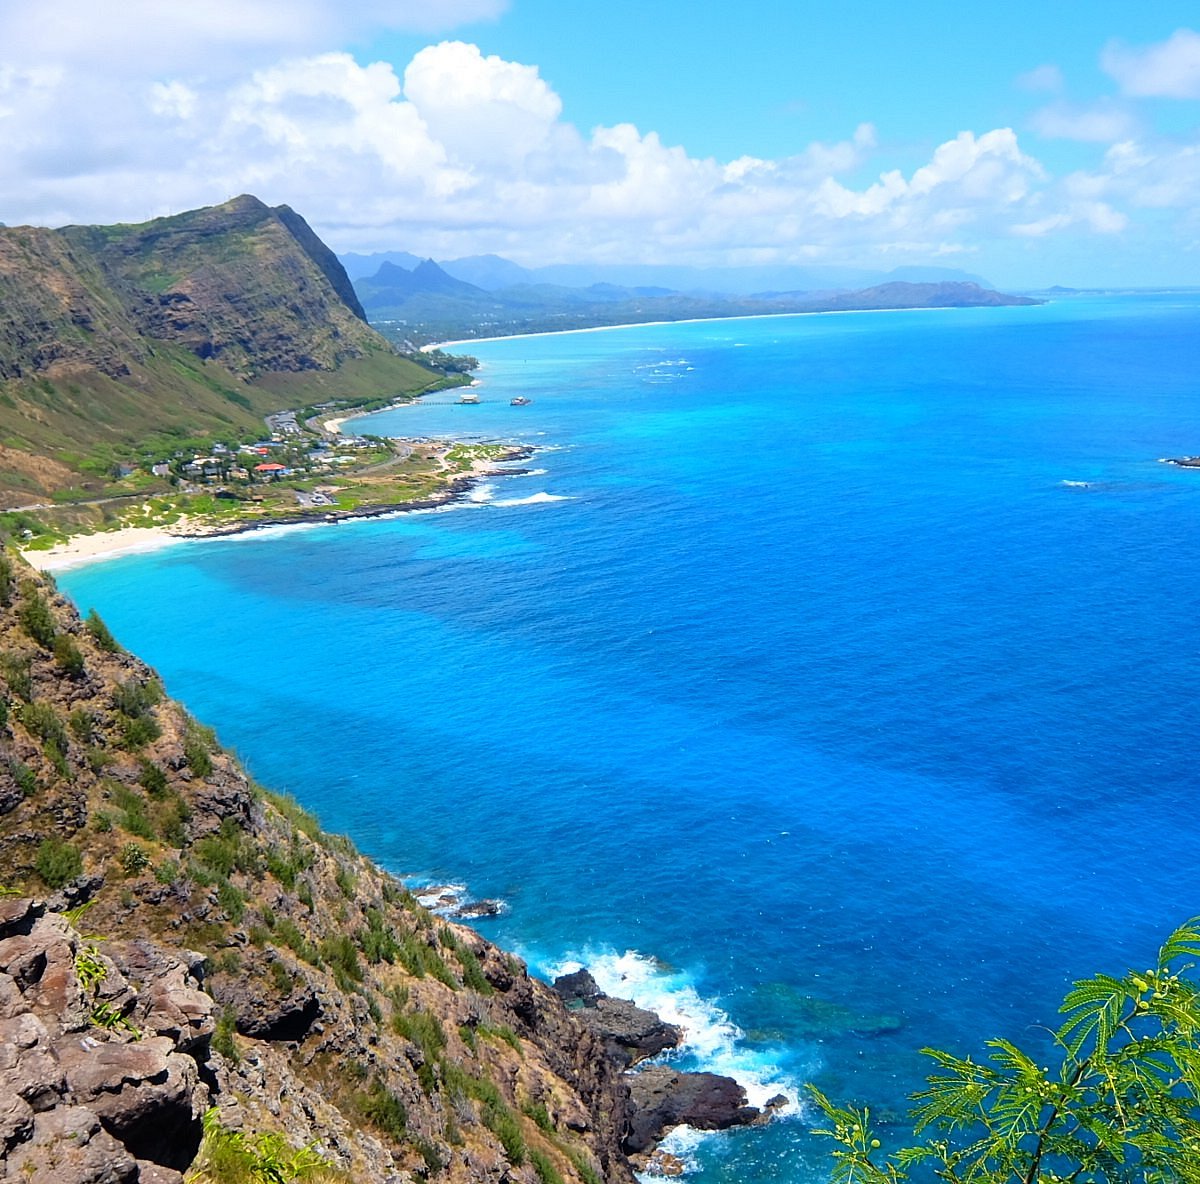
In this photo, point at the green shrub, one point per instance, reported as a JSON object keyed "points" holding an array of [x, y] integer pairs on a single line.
{"points": [[281, 978], [82, 724], [232, 901], [421, 1028], [152, 778], [57, 862], [232, 1157], [133, 701], [100, 633], [196, 753], [547, 1173], [24, 776], [287, 932], [587, 1173], [340, 954], [6, 581], [134, 859], [227, 851], [167, 872], [384, 1111], [505, 1125], [540, 1115], [134, 698], [222, 1037], [68, 655], [346, 881], [473, 975], [133, 816], [137, 732], [18, 673], [41, 720], [377, 941], [35, 616], [3, 712], [171, 818]]}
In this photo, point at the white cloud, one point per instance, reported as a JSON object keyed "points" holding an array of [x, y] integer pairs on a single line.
{"points": [[462, 152], [1042, 78], [1101, 123], [1166, 69], [216, 35], [483, 111]]}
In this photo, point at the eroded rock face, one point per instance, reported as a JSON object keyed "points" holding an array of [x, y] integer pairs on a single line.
{"points": [[663, 1098], [82, 1102], [630, 1033], [69, 1145]]}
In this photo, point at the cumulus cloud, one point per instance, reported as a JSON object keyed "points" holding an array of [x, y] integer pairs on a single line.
{"points": [[1100, 123], [461, 152], [1166, 69], [483, 110]]}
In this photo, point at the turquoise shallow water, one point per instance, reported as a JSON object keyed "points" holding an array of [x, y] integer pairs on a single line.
{"points": [[830, 681]]}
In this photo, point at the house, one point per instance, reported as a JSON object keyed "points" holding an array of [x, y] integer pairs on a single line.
{"points": [[162, 469], [271, 472]]}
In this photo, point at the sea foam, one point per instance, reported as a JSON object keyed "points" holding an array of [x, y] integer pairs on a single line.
{"points": [[712, 1041]]}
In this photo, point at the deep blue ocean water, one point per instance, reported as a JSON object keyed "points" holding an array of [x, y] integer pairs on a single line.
{"points": [[831, 678]]}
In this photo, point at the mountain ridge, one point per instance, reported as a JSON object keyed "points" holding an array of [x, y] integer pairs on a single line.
{"points": [[202, 322]]}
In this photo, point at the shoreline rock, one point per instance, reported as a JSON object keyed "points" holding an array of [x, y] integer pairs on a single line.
{"points": [[660, 1096]]}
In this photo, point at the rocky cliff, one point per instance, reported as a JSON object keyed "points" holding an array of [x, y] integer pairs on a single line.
{"points": [[177, 943], [200, 322]]}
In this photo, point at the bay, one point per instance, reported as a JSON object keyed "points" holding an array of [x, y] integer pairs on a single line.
{"points": [[829, 682]]}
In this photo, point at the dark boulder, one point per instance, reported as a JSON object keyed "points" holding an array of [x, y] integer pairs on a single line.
{"points": [[664, 1098]]}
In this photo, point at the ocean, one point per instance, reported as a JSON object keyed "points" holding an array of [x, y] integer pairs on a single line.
{"points": [[827, 683]]}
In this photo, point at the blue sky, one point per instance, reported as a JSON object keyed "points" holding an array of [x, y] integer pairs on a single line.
{"points": [[1035, 143]]}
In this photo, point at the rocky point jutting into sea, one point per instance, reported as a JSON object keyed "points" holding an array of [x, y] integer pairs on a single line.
{"points": [[177, 942]]}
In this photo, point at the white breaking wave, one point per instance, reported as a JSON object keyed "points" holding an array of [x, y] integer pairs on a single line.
{"points": [[533, 499], [711, 1038]]}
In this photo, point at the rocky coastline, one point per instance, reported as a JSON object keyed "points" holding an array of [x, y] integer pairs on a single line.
{"points": [[188, 963]]}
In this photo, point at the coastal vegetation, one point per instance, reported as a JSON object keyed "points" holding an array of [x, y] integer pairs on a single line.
{"points": [[1114, 1096]]}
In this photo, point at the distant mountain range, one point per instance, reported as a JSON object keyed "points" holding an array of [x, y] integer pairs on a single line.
{"points": [[418, 301], [492, 273]]}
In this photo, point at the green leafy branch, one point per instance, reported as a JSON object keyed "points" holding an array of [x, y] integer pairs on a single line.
{"points": [[232, 1157], [1121, 1103]]}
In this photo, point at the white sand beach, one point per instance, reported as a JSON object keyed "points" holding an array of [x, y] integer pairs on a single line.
{"points": [[91, 548]]}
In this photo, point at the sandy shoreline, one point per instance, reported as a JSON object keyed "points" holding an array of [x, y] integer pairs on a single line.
{"points": [[106, 544], [749, 316], [129, 540]]}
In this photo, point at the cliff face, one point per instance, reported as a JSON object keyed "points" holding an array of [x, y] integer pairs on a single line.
{"points": [[184, 324], [233, 959], [240, 282]]}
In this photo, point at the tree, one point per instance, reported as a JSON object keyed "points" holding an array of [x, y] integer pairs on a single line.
{"points": [[1120, 1103]]}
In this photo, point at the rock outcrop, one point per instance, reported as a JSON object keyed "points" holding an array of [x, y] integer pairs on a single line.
{"points": [[99, 1073], [630, 1033]]}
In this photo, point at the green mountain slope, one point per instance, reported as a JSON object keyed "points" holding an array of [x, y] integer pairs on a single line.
{"points": [[199, 323]]}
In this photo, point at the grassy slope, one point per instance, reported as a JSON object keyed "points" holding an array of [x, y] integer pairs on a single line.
{"points": [[187, 326]]}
